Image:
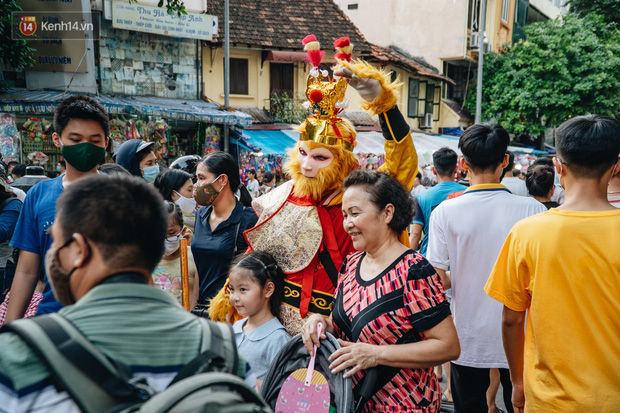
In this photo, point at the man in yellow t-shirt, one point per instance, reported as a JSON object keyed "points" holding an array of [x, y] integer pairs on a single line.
{"points": [[563, 268]]}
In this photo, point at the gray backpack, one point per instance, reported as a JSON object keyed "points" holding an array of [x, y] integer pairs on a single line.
{"points": [[99, 384]]}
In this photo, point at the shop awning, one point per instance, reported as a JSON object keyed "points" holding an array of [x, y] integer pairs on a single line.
{"points": [[272, 141], [425, 145], [41, 102]]}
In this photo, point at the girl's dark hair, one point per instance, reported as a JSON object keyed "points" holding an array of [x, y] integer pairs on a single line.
{"points": [[112, 169], [219, 163], [384, 190], [19, 169], [174, 212], [264, 268], [539, 180], [170, 180]]}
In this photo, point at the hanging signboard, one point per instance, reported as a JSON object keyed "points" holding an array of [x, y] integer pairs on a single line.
{"points": [[148, 19]]}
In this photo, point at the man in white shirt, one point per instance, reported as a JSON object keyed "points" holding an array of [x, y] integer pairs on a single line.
{"points": [[465, 236], [515, 184]]}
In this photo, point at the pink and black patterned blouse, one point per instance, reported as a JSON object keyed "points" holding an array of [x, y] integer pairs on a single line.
{"points": [[405, 300]]}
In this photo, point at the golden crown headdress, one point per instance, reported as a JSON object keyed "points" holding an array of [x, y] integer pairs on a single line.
{"points": [[326, 98]]}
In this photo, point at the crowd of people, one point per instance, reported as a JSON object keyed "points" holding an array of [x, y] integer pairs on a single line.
{"points": [[512, 282]]}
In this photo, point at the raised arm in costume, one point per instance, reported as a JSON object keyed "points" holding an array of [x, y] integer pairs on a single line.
{"points": [[300, 222]]}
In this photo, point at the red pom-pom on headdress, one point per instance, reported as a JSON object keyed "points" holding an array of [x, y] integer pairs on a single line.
{"points": [[342, 42], [343, 56], [315, 57], [309, 38], [345, 49]]}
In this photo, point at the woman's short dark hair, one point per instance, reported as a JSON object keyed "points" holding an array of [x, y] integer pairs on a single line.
{"points": [[384, 190], [170, 180], [264, 268], [539, 180], [222, 163], [174, 212], [268, 177]]}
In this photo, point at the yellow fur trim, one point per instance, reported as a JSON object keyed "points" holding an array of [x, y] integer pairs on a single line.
{"points": [[312, 46], [220, 308], [389, 94], [328, 179], [347, 49]]}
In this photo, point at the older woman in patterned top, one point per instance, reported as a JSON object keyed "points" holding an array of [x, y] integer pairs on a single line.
{"points": [[390, 308]]}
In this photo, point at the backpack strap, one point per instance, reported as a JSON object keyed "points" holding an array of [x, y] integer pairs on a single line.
{"points": [[222, 382], [94, 381], [218, 352], [237, 226]]}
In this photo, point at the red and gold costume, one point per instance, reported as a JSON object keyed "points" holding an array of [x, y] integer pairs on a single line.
{"points": [[300, 222]]}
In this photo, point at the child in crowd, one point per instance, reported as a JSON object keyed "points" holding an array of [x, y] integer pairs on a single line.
{"points": [[167, 274], [256, 285]]}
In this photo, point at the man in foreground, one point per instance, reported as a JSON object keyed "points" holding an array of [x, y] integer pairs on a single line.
{"points": [[563, 268], [99, 264]]}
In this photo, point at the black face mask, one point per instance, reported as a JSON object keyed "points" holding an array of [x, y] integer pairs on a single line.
{"points": [[58, 277]]}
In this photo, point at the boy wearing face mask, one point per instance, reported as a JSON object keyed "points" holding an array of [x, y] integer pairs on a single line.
{"points": [[81, 132], [167, 274]]}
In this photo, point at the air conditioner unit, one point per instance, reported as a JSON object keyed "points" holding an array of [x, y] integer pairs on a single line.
{"points": [[426, 122], [474, 40], [487, 47]]}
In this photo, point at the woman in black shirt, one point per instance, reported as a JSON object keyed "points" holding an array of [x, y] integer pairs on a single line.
{"points": [[220, 222]]}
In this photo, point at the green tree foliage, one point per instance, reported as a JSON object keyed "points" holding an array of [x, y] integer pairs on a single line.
{"points": [[609, 9], [173, 6], [564, 68], [13, 53]]}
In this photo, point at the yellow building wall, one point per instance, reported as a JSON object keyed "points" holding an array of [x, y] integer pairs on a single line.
{"points": [[259, 83]]}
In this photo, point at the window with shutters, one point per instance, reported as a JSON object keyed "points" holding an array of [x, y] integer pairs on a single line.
{"points": [[414, 98], [239, 76]]}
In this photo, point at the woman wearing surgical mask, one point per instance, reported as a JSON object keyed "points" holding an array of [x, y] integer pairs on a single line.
{"points": [[138, 158], [167, 274], [220, 222], [177, 186]]}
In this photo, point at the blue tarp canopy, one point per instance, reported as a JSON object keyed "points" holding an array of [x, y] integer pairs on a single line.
{"points": [[425, 145], [37, 102], [272, 141]]}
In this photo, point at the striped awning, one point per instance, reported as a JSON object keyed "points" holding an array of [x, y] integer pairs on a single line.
{"points": [[41, 102]]}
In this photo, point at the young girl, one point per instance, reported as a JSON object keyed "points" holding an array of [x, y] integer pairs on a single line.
{"points": [[256, 285], [167, 274]]}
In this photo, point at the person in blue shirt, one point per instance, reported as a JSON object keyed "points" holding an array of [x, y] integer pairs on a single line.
{"points": [[444, 166], [81, 131]]}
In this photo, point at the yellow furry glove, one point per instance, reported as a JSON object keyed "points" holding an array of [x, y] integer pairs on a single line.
{"points": [[373, 85]]}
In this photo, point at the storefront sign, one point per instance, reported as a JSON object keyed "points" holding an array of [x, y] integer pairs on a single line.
{"points": [[57, 30], [148, 19]]}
